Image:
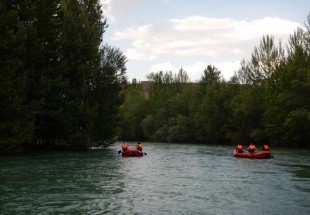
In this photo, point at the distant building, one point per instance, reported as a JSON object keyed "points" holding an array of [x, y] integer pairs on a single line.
{"points": [[146, 85]]}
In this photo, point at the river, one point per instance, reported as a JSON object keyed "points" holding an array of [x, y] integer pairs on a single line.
{"points": [[170, 179]]}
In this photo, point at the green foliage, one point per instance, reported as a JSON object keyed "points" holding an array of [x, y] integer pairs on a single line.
{"points": [[132, 112], [59, 88], [267, 100], [263, 63], [211, 75], [287, 108], [177, 111], [107, 85], [16, 123], [179, 130]]}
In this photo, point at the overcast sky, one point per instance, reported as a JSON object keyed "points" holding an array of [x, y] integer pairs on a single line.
{"points": [[166, 35]]}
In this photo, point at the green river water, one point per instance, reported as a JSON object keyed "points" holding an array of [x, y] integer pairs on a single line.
{"points": [[170, 179]]}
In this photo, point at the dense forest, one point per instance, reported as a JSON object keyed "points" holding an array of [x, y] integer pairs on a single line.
{"points": [[266, 101], [63, 88], [59, 82]]}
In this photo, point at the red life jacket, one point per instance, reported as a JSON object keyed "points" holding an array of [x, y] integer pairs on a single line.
{"points": [[252, 147], [124, 146], [139, 146], [239, 146]]}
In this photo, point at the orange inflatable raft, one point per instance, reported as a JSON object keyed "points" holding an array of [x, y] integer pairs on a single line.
{"points": [[253, 155]]}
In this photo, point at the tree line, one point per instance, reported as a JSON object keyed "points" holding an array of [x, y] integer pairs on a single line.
{"points": [[62, 88], [59, 85], [266, 101]]}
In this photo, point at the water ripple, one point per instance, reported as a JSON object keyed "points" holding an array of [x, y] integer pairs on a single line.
{"points": [[171, 179]]}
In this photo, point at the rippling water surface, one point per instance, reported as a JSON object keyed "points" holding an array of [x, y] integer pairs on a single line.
{"points": [[170, 179]]}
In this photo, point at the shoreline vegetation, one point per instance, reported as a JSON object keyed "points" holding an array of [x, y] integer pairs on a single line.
{"points": [[63, 88]]}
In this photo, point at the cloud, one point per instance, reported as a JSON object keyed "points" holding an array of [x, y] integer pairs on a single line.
{"points": [[117, 9], [201, 37], [191, 42], [228, 68]]}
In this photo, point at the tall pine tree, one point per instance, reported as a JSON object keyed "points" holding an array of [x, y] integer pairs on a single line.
{"points": [[15, 122]]}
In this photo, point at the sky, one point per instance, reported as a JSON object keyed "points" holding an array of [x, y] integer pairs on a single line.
{"points": [[167, 35]]}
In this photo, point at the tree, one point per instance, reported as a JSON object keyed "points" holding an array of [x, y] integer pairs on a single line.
{"points": [[211, 75], [109, 81], [180, 130], [287, 109], [57, 82], [80, 36], [211, 111], [246, 112], [247, 107], [182, 76], [46, 83], [263, 63], [132, 112], [16, 123], [286, 115]]}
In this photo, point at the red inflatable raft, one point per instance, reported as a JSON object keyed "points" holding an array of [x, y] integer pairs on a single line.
{"points": [[253, 155], [132, 153]]}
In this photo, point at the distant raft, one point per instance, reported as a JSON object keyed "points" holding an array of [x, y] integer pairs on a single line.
{"points": [[252, 155], [130, 152]]}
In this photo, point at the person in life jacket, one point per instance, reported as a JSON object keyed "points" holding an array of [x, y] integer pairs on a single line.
{"points": [[124, 146], [239, 148], [265, 147], [252, 148], [139, 146]]}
